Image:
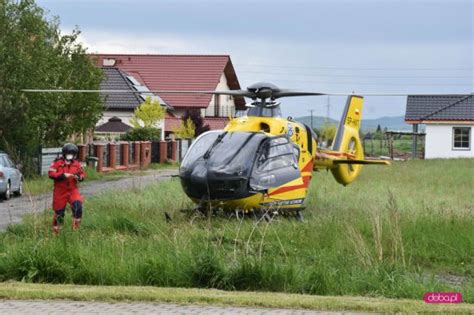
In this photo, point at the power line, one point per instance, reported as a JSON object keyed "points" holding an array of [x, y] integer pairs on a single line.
{"points": [[354, 68], [369, 83], [311, 111], [328, 109], [354, 76]]}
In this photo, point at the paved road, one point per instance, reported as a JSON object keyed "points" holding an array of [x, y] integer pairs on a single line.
{"points": [[13, 210], [71, 307]]}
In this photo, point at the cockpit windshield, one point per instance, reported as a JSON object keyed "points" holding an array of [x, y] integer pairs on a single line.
{"points": [[239, 161], [225, 152], [260, 111]]}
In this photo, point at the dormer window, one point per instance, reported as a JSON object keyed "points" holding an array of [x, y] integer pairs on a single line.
{"points": [[108, 62]]}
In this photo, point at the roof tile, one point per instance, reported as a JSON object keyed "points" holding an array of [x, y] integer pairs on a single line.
{"points": [[178, 72], [114, 124], [116, 80], [440, 107]]}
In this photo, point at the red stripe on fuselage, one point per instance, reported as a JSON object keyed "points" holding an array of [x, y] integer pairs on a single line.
{"points": [[306, 181]]}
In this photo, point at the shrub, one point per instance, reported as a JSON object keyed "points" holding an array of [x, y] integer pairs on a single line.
{"points": [[143, 134]]}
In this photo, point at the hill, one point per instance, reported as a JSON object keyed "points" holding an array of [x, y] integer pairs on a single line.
{"points": [[391, 122], [318, 121]]}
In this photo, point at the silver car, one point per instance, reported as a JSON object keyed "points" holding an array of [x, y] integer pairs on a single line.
{"points": [[11, 179]]}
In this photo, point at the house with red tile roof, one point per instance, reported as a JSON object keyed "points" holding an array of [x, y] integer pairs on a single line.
{"points": [[170, 72]]}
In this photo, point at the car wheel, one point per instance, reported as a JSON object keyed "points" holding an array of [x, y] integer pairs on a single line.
{"points": [[8, 193], [19, 192]]}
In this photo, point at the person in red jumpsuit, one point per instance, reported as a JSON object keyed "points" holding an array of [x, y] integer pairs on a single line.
{"points": [[66, 172]]}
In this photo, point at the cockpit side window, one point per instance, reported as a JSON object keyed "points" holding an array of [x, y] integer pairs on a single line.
{"points": [[276, 164]]}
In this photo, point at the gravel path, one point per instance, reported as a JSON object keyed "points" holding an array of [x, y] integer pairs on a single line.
{"points": [[13, 210], [71, 307]]}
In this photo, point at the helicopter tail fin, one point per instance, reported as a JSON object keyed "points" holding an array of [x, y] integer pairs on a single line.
{"points": [[347, 141]]}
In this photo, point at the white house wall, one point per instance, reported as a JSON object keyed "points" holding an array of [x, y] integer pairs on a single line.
{"points": [[439, 142], [227, 104]]}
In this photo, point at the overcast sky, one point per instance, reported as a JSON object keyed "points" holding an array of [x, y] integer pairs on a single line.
{"points": [[399, 46]]}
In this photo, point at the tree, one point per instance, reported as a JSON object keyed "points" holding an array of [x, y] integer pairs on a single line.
{"points": [[142, 134], [35, 55], [197, 120], [148, 114], [378, 135], [327, 133], [186, 130]]}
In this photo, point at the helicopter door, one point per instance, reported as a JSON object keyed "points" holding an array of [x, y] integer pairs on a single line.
{"points": [[276, 164]]}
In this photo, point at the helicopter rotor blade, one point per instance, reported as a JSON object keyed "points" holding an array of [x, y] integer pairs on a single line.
{"points": [[289, 93], [229, 92], [245, 93]]}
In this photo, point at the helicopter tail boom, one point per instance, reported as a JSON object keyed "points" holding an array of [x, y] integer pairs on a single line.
{"points": [[346, 157]]}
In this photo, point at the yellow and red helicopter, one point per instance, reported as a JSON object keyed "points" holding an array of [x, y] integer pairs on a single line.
{"points": [[263, 161]]}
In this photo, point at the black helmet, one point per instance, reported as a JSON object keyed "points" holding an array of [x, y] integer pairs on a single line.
{"points": [[70, 148]]}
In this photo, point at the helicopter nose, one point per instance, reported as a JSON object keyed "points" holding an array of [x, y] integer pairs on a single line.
{"points": [[199, 174]]}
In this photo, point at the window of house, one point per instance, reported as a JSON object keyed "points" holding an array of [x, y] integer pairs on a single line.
{"points": [[461, 138]]}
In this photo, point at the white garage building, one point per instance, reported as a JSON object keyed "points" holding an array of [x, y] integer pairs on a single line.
{"points": [[449, 123]]}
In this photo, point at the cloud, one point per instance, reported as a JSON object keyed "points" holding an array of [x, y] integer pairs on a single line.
{"points": [[251, 55]]}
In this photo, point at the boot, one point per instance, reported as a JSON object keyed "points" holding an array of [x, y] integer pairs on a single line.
{"points": [[76, 223], [56, 229]]}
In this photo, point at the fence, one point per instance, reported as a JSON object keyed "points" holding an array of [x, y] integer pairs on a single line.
{"points": [[394, 144], [121, 155], [182, 147], [108, 156], [47, 156]]}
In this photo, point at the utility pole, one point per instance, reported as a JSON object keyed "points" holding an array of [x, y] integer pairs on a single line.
{"points": [[311, 111], [328, 109]]}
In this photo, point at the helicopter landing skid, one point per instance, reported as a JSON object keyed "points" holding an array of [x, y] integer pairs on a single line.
{"points": [[293, 212], [204, 209], [270, 213]]}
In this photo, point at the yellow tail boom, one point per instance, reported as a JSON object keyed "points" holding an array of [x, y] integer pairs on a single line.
{"points": [[346, 156]]}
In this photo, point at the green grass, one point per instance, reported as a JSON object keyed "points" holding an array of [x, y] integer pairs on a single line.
{"points": [[167, 165], [397, 232], [16, 290]]}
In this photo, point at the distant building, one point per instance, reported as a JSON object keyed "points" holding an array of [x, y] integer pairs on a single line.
{"points": [[147, 73], [119, 108], [112, 129], [449, 121]]}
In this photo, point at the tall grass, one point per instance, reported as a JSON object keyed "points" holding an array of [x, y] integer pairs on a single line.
{"points": [[399, 231]]}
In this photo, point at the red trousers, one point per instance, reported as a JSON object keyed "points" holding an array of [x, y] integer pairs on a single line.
{"points": [[62, 197]]}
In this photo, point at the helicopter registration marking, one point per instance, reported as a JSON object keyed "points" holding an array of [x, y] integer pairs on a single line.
{"points": [[352, 122]]}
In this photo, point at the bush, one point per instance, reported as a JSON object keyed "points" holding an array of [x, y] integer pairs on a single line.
{"points": [[143, 134]]}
